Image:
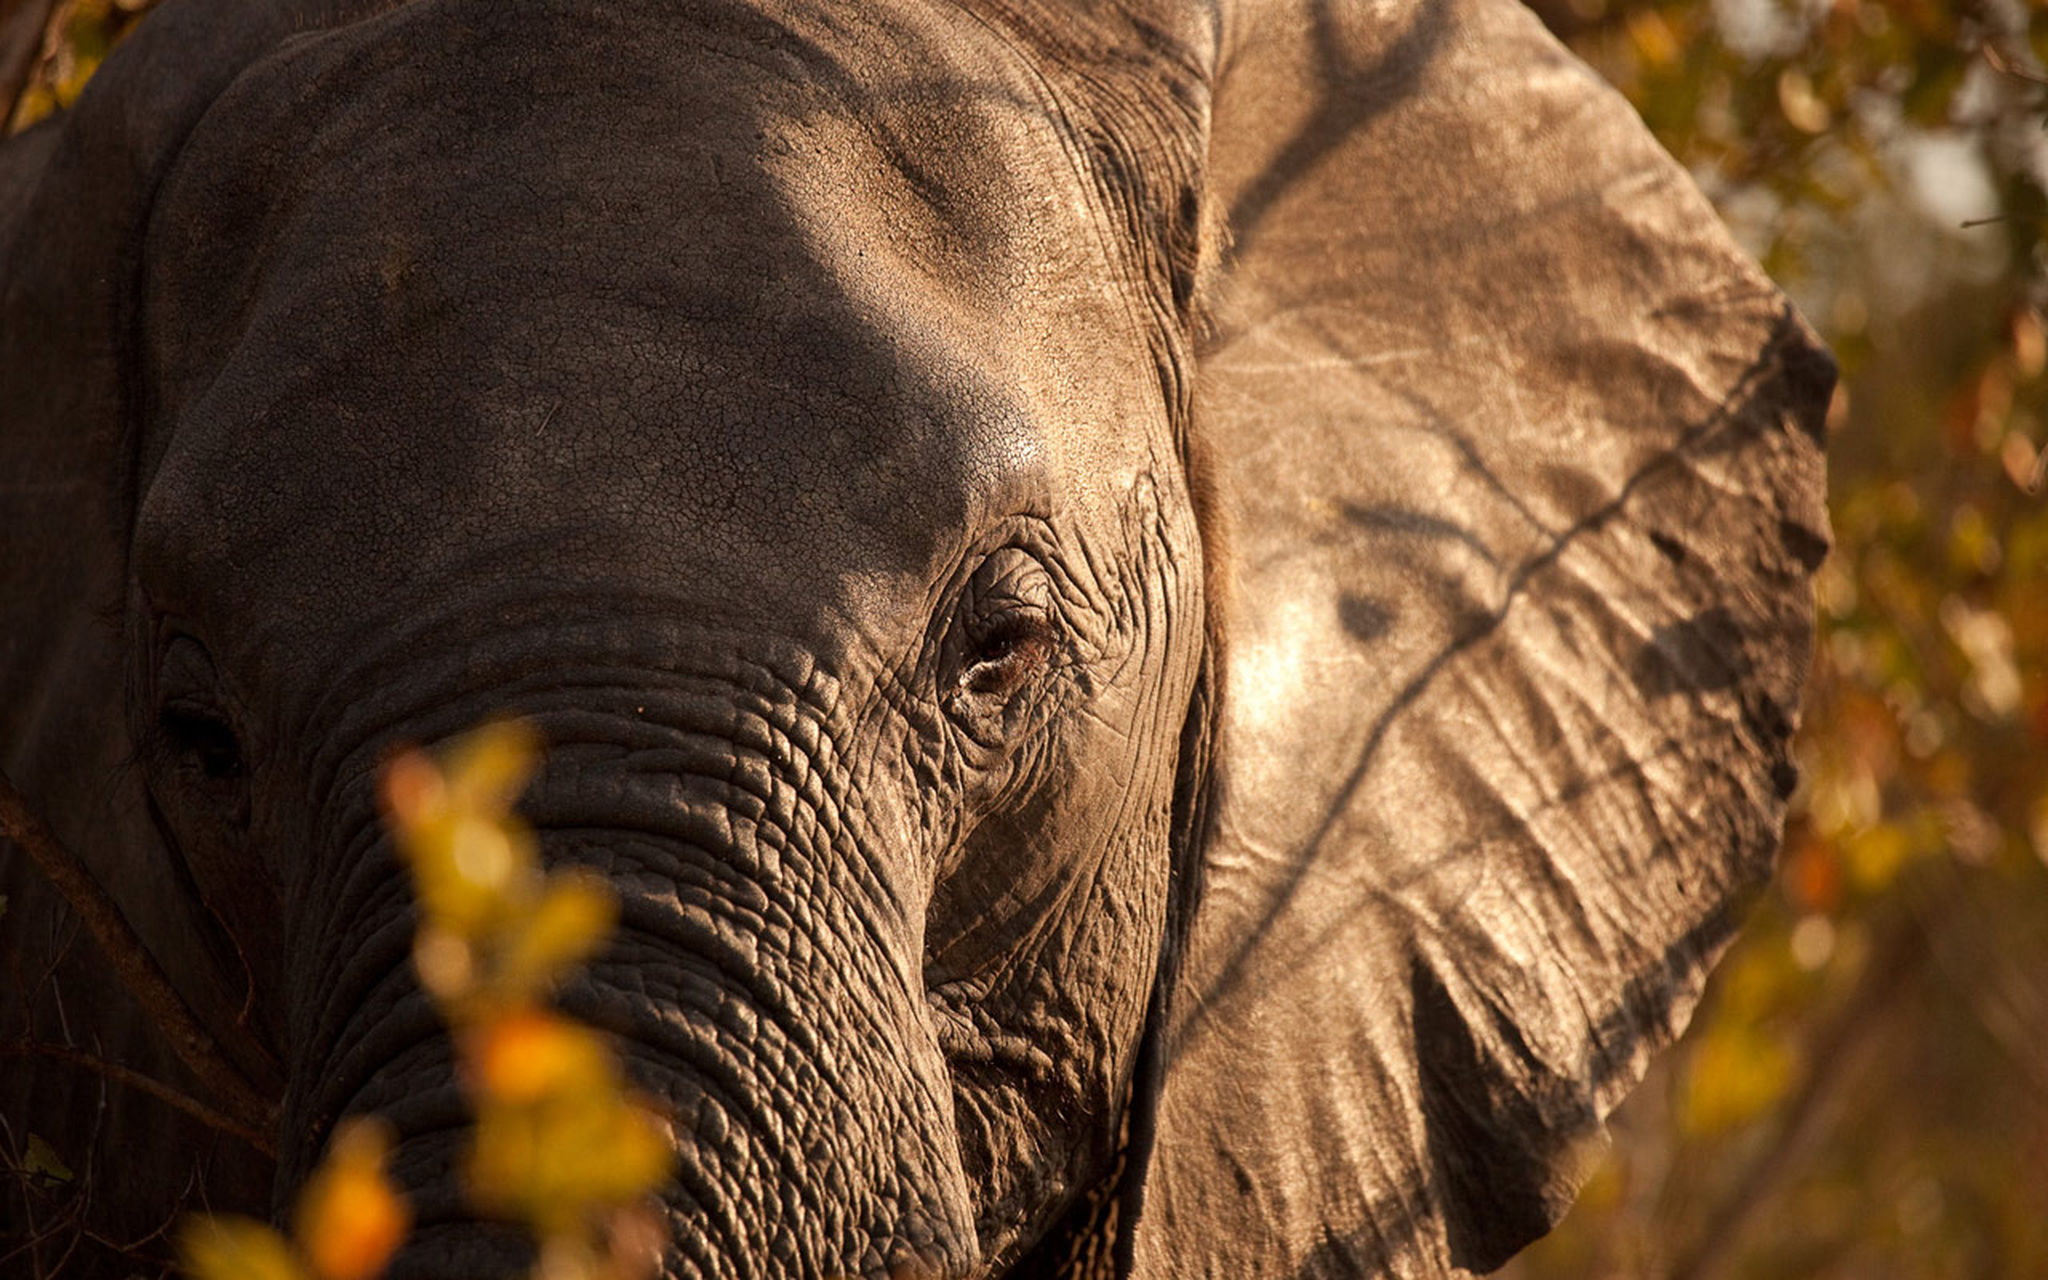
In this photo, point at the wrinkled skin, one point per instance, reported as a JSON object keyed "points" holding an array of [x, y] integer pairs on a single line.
{"points": [[1125, 742]]}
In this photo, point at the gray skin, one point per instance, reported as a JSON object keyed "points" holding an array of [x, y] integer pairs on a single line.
{"points": [[1177, 626]]}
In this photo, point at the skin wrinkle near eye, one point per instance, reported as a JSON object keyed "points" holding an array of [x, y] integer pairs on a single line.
{"points": [[1002, 901], [982, 984], [1129, 652], [1009, 582]]}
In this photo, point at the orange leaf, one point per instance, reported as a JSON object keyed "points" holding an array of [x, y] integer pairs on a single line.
{"points": [[412, 790], [528, 1055], [350, 1219]]}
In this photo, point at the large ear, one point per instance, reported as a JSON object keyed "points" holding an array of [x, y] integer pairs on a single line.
{"points": [[1523, 461], [75, 199]]}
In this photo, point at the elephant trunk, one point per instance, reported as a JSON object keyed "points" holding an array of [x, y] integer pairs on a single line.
{"points": [[762, 989]]}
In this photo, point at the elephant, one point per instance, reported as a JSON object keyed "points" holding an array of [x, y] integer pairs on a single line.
{"points": [[1178, 624]]}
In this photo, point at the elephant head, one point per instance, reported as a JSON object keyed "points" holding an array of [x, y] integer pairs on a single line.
{"points": [[1177, 624]]}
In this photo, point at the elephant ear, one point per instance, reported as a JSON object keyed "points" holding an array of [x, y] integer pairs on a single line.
{"points": [[75, 200], [1522, 464]]}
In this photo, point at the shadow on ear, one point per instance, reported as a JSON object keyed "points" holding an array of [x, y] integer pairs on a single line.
{"points": [[1524, 463]]}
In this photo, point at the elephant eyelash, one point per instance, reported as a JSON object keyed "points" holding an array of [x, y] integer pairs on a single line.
{"points": [[1023, 637], [1006, 655]]}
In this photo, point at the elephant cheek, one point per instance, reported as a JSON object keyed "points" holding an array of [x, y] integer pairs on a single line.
{"points": [[756, 1002]]}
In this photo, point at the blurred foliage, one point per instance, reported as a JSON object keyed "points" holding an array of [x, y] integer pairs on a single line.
{"points": [[350, 1221], [1864, 1091], [558, 1143], [81, 33]]}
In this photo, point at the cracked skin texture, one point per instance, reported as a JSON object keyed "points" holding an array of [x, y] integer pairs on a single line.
{"points": [[1177, 624]]}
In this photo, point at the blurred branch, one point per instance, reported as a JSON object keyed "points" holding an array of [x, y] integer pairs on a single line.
{"points": [[1836, 1053], [1981, 975], [155, 1088], [133, 965]]}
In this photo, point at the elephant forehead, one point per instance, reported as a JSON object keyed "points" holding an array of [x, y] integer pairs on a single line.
{"points": [[540, 180], [740, 296]]}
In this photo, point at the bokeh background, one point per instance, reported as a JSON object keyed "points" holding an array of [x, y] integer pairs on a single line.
{"points": [[1864, 1092]]}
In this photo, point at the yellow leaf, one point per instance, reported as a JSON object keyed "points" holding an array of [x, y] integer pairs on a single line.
{"points": [[572, 920], [562, 1161], [1875, 856], [488, 767], [223, 1247], [1734, 1076], [37, 103], [446, 964], [1653, 38], [558, 1144], [474, 864], [488, 858], [641, 1153], [557, 1139], [351, 1220], [472, 873], [69, 87]]}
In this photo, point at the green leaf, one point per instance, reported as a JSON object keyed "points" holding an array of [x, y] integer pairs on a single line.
{"points": [[42, 1163]]}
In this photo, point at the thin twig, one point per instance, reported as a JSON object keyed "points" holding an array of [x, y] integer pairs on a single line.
{"points": [[150, 1085], [137, 970], [1835, 1051]]}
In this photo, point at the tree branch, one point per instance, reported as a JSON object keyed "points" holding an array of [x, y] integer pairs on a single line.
{"points": [[137, 970], [148, 1084]]}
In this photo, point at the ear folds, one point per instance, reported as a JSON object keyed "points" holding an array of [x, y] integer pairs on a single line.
{"points": [[1524, 464], [75, 200], [75, 196]]}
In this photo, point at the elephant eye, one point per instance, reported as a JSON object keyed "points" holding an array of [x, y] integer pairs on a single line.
{"points": [[1005, 636], [1007, 655], [192, 735], [204, 738]]}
